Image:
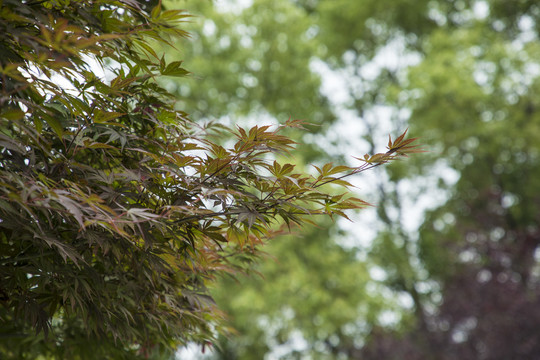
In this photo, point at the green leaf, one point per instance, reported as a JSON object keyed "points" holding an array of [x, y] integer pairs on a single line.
{"points": [[55, 125], [174, 69]]}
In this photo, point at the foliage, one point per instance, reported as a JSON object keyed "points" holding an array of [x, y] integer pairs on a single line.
{"points": [[260, 63], [470, 272], [463, 283], [325, 267], [478, 249], [116, 210]]}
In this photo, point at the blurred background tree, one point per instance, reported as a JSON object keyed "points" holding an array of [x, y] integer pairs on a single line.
{"points": [[447, 264]]}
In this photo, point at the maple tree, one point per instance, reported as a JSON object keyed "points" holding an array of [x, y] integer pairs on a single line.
{"points": [[116, 209]]}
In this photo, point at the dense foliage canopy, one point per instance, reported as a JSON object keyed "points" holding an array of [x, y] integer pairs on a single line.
{"points": [[116, 209]]}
